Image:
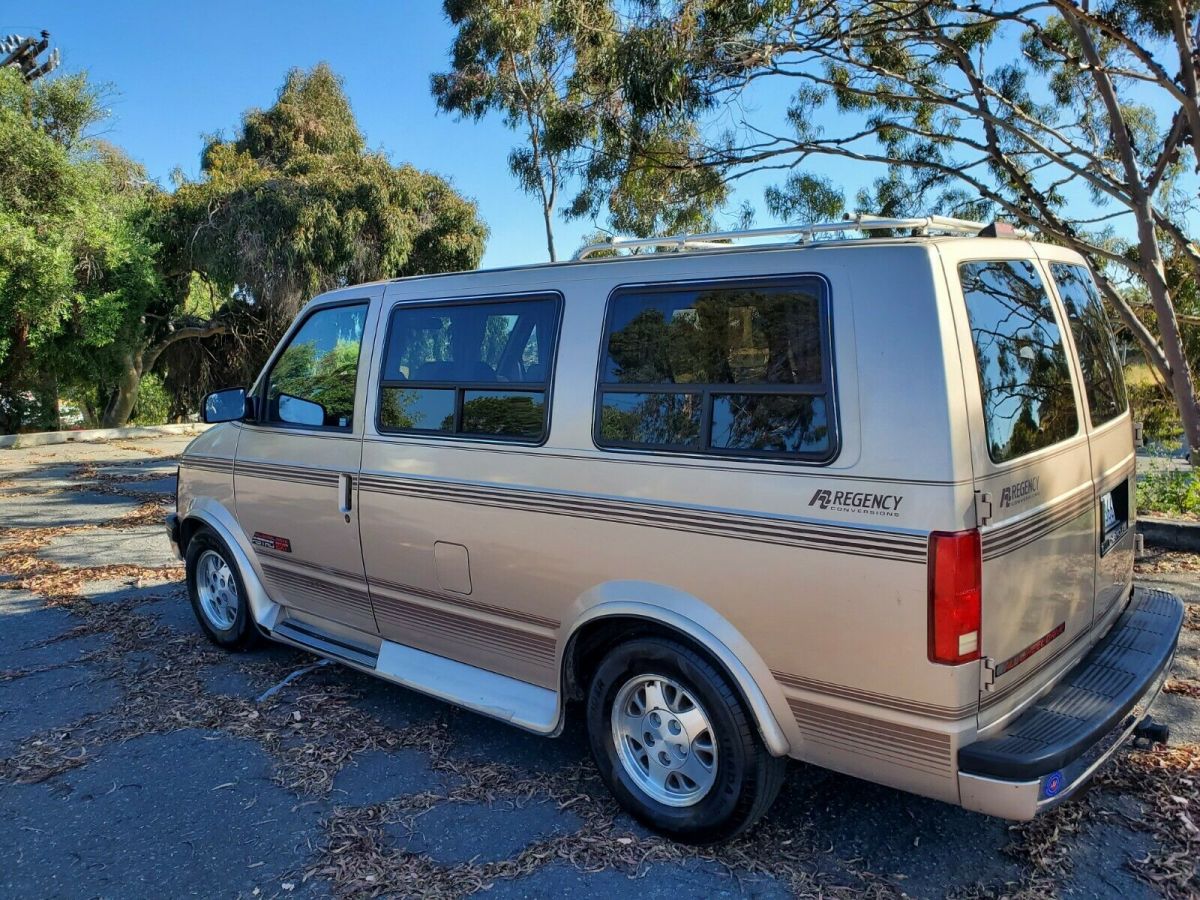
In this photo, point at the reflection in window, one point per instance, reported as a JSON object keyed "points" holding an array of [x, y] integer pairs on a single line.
{"points": [[415, 409], [1102, 376], [478, 368], [780, 423], [1028, 402], [318, 368], [662, 420], [519, 414], [708, 339]]}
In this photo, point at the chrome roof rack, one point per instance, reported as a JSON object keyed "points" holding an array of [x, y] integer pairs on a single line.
{"points": [[722, 240]]}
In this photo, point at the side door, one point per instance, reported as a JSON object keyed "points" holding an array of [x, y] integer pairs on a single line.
{"points": [[295, 477], [1031, 463], [462, 396], [1110, 430]]}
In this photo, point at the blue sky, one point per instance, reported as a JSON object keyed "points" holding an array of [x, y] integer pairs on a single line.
{"points": [[181, 70]]}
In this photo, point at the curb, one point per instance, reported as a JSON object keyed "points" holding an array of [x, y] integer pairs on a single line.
{"points": [[46, 438], [1170, 534]]}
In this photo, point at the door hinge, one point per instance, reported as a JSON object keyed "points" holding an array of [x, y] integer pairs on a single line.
{"points": [[983, 508], [987, 673]]}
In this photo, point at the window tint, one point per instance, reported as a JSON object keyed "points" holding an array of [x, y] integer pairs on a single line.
{"points": [[1102, 377], [479, 368], [312, 381], [722, 369], [1028, 402]]}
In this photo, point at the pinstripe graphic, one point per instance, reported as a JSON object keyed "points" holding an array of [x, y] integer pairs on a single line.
{"points": [[295, 474], [1006, 538], [207, 463], [886, 701], [537, 649], [487, 637], [765, 529], [444, 597], [912, 748], [325, 591]]}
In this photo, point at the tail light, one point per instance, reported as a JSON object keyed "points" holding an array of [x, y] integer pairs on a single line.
{"points": [[955, 597]]}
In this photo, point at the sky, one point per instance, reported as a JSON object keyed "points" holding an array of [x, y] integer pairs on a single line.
{"points": [[179, 71]]}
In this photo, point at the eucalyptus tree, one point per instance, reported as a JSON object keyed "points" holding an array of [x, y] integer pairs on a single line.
{"points": [[1076, 119], [518, 59]]}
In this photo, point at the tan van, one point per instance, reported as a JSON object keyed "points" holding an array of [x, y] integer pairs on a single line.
{"points": [[866, 503]]}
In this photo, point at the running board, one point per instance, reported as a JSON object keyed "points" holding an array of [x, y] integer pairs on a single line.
{"points": [[313, 638], [517, 702], [488, 693]]}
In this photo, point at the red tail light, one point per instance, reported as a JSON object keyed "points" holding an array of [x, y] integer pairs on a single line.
{"points": [[955, 597]]}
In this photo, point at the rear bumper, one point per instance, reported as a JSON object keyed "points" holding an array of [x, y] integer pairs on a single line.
{"points": [[172, 526], [1047, 753]]}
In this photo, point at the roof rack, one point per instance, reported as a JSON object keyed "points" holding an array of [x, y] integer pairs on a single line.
{"points": [[720, 240]]}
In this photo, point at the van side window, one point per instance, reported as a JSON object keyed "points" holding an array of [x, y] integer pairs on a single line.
{"points": [[1028, 402], [313, 380], [480, 368], [734, 369], [1102, 377]]}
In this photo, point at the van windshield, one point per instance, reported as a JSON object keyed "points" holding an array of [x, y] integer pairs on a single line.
{"points": [[1028, 401], [1098, 358]]}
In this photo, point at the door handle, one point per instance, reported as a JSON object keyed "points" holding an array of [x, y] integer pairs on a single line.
{"points": [[345, 495]]}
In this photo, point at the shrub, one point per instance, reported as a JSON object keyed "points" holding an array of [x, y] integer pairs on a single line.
{"points": [[1169, 492]]}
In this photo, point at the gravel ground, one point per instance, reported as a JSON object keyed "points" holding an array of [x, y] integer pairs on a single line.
{"points": [[137, 761]]}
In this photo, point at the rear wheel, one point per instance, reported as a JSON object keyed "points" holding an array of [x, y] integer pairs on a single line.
{"points": [[217, 592], [676, 744]]}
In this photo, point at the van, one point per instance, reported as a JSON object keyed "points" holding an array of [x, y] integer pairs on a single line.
{"points": [[866, 503]]}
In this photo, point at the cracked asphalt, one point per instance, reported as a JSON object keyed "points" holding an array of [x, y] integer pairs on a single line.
{"points": [[136, 760]]}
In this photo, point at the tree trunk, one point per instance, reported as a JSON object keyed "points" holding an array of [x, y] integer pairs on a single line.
{"points": [[120, 407], [141, 360]]}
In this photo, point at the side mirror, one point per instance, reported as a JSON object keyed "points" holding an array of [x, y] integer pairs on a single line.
{"points": [[296, 411], [225, 406]]}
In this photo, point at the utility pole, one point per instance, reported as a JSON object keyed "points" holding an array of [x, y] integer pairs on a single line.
{"points": [[23, 53]]}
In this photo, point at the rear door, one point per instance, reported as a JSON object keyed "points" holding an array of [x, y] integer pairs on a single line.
{"points": [[1110, 430], [1032, 466], [295, 477]]}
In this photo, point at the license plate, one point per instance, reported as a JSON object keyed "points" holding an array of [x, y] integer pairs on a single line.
{"points": [[1109, 509]]}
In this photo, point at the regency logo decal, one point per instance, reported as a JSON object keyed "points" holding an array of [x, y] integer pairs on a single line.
{"points": [[863, 502], [1016, 494]]}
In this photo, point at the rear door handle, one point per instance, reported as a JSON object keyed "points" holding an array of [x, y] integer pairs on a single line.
{"points": [[345, 494]]}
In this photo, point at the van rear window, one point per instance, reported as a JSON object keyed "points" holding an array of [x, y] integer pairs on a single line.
{"points": [[1102, 378], [1028, 400], [735, 369]]}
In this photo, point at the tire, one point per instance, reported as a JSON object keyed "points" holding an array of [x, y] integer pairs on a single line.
{"points": [[218, 593], [707, 791]]}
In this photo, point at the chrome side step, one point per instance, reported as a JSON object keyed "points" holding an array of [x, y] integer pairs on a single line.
{"points": [[488, 693], [310, 636], [517, 702]]}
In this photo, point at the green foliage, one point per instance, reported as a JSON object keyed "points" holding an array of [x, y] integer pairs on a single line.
{"points": [[77, 265], [295, 205], [1169, 492], [153, 405]]}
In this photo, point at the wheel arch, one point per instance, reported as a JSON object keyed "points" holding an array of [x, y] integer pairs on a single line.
{"points": [[611, 620], [209, 513]]}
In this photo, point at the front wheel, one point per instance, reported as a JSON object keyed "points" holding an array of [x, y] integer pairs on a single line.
{"points": [[218, 594], [676, 744]]}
